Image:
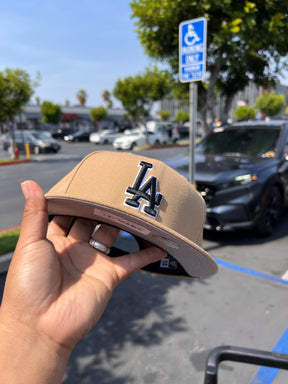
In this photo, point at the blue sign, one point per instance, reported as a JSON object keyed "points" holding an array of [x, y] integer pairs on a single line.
{"points": [[192, 50]]}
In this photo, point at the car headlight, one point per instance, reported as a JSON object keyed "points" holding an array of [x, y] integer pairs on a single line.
{"points": [[40, 143], [239, 180], [244, 179]]}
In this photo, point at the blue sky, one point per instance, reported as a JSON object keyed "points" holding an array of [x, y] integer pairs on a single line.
{"points": [[74, 44]]}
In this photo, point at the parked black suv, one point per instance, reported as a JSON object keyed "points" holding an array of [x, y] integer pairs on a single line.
{"points": [[242, 174]]}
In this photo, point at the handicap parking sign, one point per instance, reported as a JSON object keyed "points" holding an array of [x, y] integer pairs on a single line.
{"points": [[192, 50]]}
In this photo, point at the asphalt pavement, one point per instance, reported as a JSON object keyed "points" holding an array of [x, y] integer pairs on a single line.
{"points": [[160, 330]]}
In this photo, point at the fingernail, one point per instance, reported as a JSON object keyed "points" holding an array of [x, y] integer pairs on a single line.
{"points": [[25, 189]]}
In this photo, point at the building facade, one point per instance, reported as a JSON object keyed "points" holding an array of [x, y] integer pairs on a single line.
{"points": [[75, 117]]}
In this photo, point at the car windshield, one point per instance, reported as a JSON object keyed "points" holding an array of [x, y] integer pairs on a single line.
{"points": [[41, 135], [248, 141]]}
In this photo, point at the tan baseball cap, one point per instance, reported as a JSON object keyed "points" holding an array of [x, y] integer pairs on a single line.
{"points": [[141, 196]]}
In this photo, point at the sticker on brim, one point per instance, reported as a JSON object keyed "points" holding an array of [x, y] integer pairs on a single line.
{"points": [[168, 263], [120, 221]]}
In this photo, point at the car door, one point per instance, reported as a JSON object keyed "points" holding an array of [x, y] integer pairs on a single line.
{"points": [[20, 140], [28, 138]]}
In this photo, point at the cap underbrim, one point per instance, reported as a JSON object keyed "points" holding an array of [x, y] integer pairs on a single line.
{"points": [[185, 258]]}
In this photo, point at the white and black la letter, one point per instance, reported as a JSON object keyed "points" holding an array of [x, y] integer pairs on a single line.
{"points": [[146, 190]]}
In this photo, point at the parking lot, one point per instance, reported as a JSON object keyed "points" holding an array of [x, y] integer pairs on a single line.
{"points": [[159, 329]]}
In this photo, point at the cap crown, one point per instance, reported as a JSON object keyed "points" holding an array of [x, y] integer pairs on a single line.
{"points": [[140, 187]]}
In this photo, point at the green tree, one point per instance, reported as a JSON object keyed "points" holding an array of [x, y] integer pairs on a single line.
{"points": [[15, 90], [137, 94], [245, 41], [51, 113], [180, 91], [270, 104], [98, 114], [181, 116], [244, 113], [81, 97]]}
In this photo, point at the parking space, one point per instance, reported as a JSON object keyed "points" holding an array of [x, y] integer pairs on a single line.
{"points": [[174, 324]]}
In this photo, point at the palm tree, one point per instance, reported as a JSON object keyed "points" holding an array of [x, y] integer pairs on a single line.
{"points": [[107, 98], [81, 96]]}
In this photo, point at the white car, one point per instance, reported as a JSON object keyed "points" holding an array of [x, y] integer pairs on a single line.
{"points": [[104, 137], [129, 141], [166, 129]]}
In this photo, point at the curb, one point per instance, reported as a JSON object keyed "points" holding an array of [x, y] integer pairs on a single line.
{"points": [[168, 146], [161, 146], [12, 162], [10, 229]]}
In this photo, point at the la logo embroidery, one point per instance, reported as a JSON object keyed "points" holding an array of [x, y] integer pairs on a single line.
{"points": [[141, 189]]}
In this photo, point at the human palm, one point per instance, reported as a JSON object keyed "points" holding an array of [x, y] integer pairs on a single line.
{"points": [[58, 285]]}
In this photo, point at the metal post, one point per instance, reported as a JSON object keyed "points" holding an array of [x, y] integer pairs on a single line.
{"points": [[241, 355], [192, 130]]}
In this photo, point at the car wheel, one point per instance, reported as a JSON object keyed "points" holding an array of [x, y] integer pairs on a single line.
{"points": [[133, 145], [36, 150], [105, 142], [271, 213]]}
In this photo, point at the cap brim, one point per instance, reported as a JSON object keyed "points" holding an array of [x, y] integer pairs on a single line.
{"points": [[188, 259]]}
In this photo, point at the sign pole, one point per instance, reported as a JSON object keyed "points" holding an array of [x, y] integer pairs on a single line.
{"points": [[193, 90], [192, 66]]}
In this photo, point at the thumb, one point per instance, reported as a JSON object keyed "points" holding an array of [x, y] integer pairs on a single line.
{"points": [[35, 218]]}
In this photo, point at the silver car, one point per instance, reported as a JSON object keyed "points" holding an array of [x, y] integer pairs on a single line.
{"points": [[104, 137], [39, 142]]}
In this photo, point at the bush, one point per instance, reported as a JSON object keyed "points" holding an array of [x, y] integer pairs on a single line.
{"points": [[270, 104], [244, 113], [165, 115], [182, 116]]}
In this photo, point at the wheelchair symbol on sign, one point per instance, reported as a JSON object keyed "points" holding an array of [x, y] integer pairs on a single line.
{"points": [[191, 36]]}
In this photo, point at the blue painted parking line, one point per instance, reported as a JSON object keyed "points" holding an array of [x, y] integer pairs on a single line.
{"points": [[266, 375], [248, 271]]}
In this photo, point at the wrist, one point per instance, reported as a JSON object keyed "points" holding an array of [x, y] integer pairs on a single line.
{"points": [[28, 356]]}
